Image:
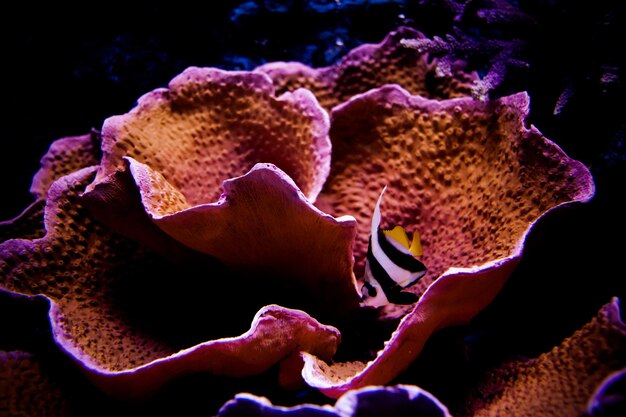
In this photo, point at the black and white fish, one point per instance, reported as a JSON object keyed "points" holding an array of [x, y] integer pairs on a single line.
{"points": [[391, 264]]}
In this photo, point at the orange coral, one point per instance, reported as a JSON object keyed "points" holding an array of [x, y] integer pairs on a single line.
{"points": [[180, 173], [470, 177], [210, 125], [559, 382], [83, 269], [64, 156], [27, 391]]}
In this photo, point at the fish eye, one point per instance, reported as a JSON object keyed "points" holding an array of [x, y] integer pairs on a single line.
{"points": [[368, 290]]}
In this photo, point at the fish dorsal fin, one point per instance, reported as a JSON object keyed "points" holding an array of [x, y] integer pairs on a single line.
{"points": [[416, 245], [399, 235], [376, 215]]}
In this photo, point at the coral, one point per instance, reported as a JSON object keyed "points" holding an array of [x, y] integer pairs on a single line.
{"points": [[371, 66], [458, 47], [262, 225], [371, 401], [484, 36], [202, 212], [87, 272], [559, 382], [65, 155], [210, 125], [469, 176], [178, 145], [26, 390]]}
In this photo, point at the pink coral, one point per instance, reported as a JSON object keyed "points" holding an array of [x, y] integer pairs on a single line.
{"points": [[470, 177], [78, 265], [219, 176], [561, 381], [26, 390]]}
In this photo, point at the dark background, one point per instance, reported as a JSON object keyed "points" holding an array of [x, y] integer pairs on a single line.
{"points": [[67, 68]]}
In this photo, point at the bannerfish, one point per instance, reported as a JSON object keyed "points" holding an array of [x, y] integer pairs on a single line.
{"points": [[391, 264]]}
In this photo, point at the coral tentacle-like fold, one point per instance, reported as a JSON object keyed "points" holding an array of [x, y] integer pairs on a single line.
{"points": [[84, 269], [470, 177]]}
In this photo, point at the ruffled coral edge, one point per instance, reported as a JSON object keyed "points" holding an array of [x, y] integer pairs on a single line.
{"points": [[221, 357], [260, 209], [301, 98], [452, 299], [275, 333]]}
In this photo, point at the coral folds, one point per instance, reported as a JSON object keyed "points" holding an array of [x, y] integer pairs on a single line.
{"points": [[78, 266], [222, 221], [470, 177]]}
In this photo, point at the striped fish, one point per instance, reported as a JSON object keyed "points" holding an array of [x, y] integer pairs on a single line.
{"points": [[391, 264]]}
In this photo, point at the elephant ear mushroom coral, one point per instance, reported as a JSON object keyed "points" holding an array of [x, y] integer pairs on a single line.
{"points": [[470, 176], [210, 125], [167, 158], [99, 285], [560, 382]]}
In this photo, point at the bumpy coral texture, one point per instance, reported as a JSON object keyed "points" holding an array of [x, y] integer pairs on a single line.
{"points": [[470, 177], [86, 269], [178, 145], [25, 390], [70, 265], [397, 400], [265, 225], [560, 382], [64, 156], [371, 66], [210, 125]]}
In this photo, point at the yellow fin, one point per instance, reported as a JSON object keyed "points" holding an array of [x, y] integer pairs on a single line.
{"points": [[399, 235], [416, 245]]}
